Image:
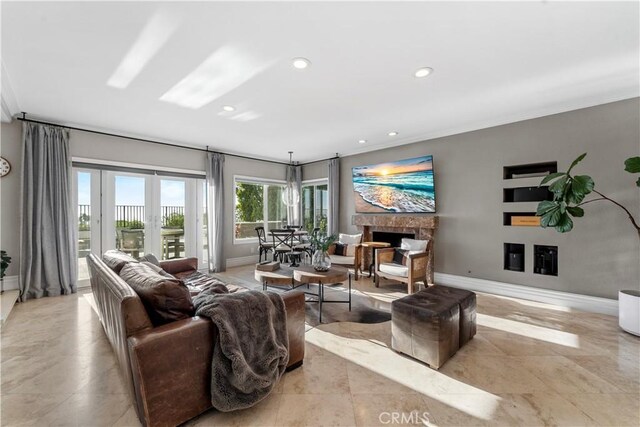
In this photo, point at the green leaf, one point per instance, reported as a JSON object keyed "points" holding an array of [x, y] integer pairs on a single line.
{"points": [[632, 165], [576, 161], [550, 219], [574, 198], [582, 184], [564, 224], [546, 206], [559, 186], [551, 177], [575, 211]]}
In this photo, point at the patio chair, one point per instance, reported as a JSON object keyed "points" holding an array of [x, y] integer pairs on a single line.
{"points": [[132, 242]]}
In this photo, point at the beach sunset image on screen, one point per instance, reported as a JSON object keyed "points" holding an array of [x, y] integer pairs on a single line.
{"points": [[401, 186]]}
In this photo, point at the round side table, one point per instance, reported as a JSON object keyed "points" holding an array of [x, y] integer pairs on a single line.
{"points": [[374, 246]]}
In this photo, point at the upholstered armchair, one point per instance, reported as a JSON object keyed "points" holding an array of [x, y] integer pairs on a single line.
{"points": [[353, 256], [408, 267]]}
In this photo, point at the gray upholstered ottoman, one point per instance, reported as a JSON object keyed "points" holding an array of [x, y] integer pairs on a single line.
{"points": [[426, 326], [467, 301]]}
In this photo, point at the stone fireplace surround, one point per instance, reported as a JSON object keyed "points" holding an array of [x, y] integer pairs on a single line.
{"points": [[422, 226]]}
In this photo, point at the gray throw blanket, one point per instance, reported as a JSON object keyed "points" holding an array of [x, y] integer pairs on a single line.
{"points": [[251, 349]]}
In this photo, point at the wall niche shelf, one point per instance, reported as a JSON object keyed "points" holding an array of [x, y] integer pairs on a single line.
{"points": [[526, 194], [530, 170], [514, 257], [545, 260], [520, 219]]}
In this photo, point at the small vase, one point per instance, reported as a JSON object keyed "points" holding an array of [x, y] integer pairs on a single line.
{"points": [[321, 261]]}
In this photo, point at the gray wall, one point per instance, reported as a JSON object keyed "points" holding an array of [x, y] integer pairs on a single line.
{"points": [[101, 147], [315, 170], [10, 135], [601, 254]]}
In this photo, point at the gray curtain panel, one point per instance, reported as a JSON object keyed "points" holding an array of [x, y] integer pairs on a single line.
{"points": [[48, 257], [215, 210], [294, 183], [334, 197]]}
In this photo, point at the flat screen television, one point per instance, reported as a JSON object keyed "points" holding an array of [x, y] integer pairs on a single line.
{"points": [[403, 186]]}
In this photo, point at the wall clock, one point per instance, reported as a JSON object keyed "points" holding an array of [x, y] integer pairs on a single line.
{"points": [[5, 167]]}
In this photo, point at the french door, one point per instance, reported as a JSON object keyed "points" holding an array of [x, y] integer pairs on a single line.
{"points": [[139, 214]]}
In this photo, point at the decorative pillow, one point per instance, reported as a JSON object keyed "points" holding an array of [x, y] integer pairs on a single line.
{"points": [[151, 258], [350, 239], [116, 259], [157, 269], [341, 249], [414, 246], [400, 256], [166, 299]]}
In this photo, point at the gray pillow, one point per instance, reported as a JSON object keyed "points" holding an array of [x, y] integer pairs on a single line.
{"points": [[157, 269], [116, 259], [151, 258], [166, 299]]}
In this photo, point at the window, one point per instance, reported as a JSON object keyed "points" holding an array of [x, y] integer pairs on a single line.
{"points": [[257, 203], [315, 205]]}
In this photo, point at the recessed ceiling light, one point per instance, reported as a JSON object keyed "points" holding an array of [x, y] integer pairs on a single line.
{"points": [[393, 133], [362, 141], [301, 63], [229, 108], [423, 72]]}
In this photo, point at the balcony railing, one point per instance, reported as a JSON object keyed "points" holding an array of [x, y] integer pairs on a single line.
{"points": [[132, 216]]}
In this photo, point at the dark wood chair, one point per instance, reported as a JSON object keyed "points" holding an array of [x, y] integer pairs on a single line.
{"points": [[283, 246], [264, 246]]}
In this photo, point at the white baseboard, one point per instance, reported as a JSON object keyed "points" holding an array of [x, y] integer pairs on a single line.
{"points": [[243, 260], [11, 283], [563, 299]]}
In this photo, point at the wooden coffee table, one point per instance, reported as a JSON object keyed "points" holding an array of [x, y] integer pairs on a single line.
{"points": [[304, 275]]}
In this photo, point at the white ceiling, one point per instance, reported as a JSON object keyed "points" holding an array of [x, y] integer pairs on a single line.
{"points": [[494, 63]]}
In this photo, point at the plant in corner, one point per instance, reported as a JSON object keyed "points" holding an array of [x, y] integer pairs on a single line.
{"points": [[5, 260], [569, 192]]}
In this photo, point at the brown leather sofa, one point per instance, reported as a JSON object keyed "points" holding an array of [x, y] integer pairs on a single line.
{"points": [[168, 368]]}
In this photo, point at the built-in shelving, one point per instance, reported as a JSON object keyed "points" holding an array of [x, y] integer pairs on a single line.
{"points": [[521, 193], [545, 260], [530, 170], [514, 257]]}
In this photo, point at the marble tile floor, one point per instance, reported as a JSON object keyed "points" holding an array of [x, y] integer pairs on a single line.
{"points": [[530, 364]]}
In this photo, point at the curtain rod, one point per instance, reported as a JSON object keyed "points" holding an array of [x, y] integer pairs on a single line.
{"points": [[321, 160], [168, 144]]}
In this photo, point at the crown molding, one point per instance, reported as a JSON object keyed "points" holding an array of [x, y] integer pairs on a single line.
{"points": [[8, 99]]}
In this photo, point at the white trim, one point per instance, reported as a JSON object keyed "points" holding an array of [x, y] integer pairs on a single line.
{"points": [[563, 299], [315, 181], [243, 260], [257, 180], [489, 123], [11, 283], [137, 166], [244, 240]]}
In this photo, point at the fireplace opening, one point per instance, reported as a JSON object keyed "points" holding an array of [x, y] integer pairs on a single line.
{"points": [[392, 238]]}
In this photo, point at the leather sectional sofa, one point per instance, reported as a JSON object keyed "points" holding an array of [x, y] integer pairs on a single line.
{"points": [[168, 368]]}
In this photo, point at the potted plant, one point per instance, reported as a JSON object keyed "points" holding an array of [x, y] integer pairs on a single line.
{"points": [[321, 243], [5, 260], [569, 193]]}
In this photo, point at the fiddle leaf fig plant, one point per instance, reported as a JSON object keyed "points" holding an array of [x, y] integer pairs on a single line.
{"points": [[569, 193], [5, 260], [632, 165]]}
